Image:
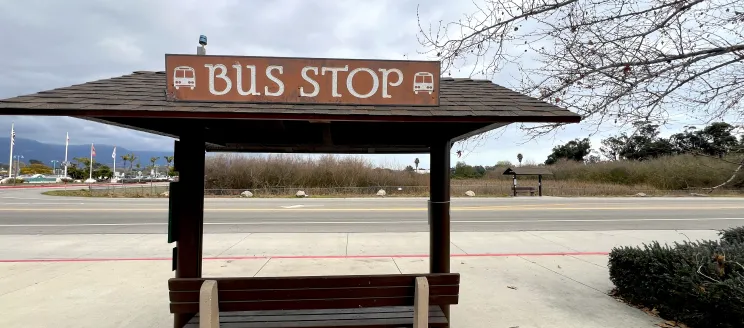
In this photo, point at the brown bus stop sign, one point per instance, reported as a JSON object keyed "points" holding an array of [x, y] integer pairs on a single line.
{"points": [[302, 80]]}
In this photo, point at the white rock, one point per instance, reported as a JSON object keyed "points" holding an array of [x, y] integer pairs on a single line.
{"points": [[301, 193], [470, 193], [165, 194], [381, 192], [640, 194], [247, 194], [90, 180]]}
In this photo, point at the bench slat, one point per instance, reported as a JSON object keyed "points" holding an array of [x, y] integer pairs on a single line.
{"points": [[358, 318], [193, 284], [389, 309], [337, 303], [313, 293]]}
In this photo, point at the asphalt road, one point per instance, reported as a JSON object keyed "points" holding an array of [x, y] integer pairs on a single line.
{"points": [[28, 212]]}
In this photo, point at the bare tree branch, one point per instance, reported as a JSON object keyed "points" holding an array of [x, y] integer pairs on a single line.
{"points": [[615, 61]]}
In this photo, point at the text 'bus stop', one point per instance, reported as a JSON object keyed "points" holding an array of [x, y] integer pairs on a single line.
{"points": [[299, 105]]}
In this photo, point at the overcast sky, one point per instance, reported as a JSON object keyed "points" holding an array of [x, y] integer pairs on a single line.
{"points": [[50, 44]]}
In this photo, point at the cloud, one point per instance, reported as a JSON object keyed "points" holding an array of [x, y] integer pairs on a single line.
{"points": [[59, 43]]}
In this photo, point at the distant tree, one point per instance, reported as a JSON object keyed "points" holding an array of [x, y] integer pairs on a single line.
{"points": [[409, 168], [153, 160], [103, 171], [504, 164], [519, 158], [646, 144], [169, 160], [35, 161], [36, 168], [715, 139], [574, 150], [480, 170], [593, 157], [132, 158], [125, 159], [84, 161], [464, 171], [75, 172], [416, 162], [613, 146]]}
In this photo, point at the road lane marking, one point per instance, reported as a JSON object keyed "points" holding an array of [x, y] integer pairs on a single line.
{"points": [[389, 209], [362, 222]]}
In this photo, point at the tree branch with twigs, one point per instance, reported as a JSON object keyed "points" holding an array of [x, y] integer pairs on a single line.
{"points": [[617, 61]]}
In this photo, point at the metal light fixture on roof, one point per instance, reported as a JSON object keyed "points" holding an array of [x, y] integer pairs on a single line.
{"points": [[202, 48]]}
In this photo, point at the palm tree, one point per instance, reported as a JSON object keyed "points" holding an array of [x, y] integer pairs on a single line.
{"points": [[153, 160], [132, 157], [169, 160], [416, 162], [125, 159], [519, 158]]}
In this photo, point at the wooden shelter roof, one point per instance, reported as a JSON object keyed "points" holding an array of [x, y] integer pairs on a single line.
{"points": [[138, 101], [527, 171]]}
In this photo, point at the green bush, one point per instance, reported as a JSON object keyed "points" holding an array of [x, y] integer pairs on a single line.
{"points": [[698, 283], [732, 235]]}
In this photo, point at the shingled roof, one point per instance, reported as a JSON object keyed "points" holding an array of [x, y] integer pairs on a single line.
{"points": [[527, 171], [142, 94]]}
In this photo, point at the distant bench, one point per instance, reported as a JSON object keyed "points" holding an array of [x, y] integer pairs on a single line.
{"points": [[399, 300], [530, 190]]}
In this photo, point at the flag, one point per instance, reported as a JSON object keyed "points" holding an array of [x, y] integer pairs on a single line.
{"points": [[113, 155], [12, 136], [92, 150]]}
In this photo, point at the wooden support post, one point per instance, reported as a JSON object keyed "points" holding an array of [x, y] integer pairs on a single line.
{"points": [[421, 303], [539, 185], [189, 154], [439, 210]]}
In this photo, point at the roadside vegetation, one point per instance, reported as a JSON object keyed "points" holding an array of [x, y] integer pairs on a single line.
{"points": [[697, 283], [702, 162]]}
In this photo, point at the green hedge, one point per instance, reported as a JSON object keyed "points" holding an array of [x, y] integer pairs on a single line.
{"points": [[698, 283], [733, 235]]}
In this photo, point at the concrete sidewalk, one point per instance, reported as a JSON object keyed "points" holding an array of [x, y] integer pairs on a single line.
{"points": [[559, 279]]}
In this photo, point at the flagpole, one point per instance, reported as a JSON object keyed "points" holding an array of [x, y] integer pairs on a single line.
{"points": [[12, 142], [91, 162], [67, 143], [113, 155]]}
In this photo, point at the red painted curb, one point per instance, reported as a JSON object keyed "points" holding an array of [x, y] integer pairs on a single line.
{"points": [[57, 186], [298, 257]]}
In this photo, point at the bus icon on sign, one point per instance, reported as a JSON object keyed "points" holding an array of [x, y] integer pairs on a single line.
{"points": [[423, 82], [184, 76]]}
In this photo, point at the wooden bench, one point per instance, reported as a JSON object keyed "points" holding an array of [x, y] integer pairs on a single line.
{"points": [[324, 301], [531, 190]]}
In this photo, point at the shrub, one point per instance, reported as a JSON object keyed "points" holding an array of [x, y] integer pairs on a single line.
{"points": [[10, 180], [732, 235], [698, 283]]}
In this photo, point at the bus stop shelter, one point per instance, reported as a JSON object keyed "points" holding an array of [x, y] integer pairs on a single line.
{"points": [[293, 105], [538, 171]]}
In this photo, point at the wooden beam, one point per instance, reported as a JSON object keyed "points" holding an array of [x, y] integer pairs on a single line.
{"points": [[189, 154], [439, 209]]}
